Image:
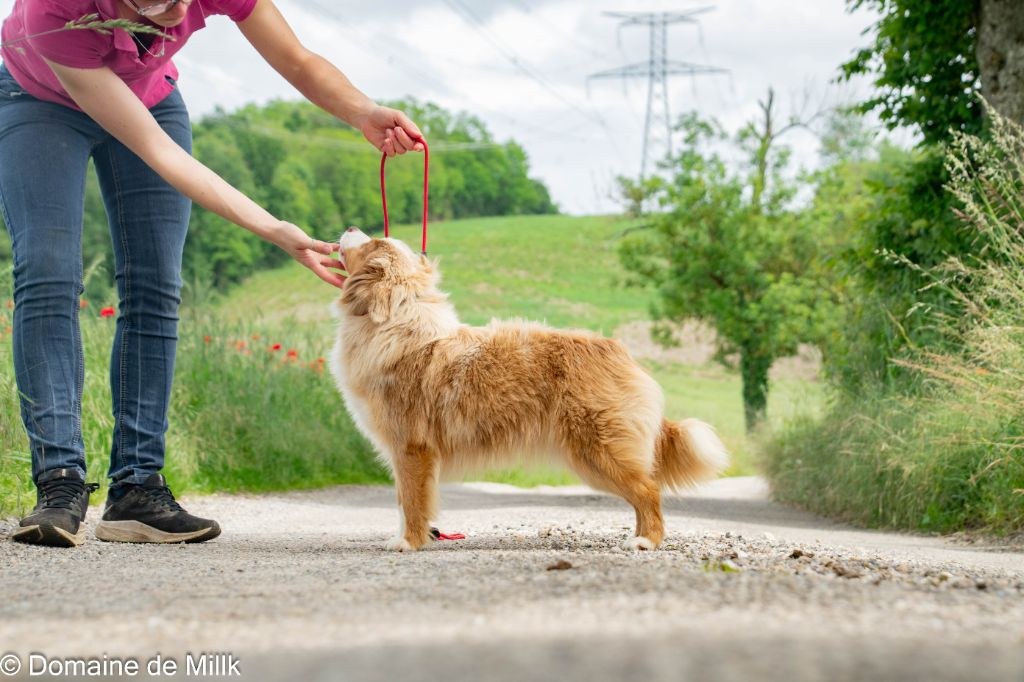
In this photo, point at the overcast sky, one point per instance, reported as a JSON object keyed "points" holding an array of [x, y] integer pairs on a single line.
{"points": [[522, 66]]}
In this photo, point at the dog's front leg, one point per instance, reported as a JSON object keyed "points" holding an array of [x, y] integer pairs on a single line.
{"points": [[416, 469]]}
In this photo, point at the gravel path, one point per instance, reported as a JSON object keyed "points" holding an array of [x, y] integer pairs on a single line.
{"points": [[298, 587]]}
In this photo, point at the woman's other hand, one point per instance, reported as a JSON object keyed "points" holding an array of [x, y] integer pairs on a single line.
{"points": [[316, 255], [390, 131]]}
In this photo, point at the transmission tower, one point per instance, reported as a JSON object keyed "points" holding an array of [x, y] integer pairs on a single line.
{"points": [[657, 69]]}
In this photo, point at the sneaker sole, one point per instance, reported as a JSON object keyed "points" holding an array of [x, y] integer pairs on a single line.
{"points": [[136, 531], [51, 536]]}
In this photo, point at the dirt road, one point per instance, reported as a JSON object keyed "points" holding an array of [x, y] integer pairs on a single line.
{"points": [[299, 588]]}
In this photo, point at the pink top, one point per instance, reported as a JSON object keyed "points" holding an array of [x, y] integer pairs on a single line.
{"points": [[89, 49]]}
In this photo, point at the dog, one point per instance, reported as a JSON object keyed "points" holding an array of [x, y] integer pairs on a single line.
{"points": [[439, 398]]}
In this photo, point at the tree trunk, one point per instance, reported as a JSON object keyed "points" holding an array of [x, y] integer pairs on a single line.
{"points": [[754, 371], [1000, 54]]}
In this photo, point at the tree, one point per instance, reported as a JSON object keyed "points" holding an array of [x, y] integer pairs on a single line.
{"points": [[727, 249], [1000, 55], [931, 58]]}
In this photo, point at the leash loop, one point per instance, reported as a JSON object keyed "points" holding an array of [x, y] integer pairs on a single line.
{"points": [[426, 192]]}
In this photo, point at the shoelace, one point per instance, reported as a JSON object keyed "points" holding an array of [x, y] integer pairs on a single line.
{"points": [[64, 493], [162, 497]]}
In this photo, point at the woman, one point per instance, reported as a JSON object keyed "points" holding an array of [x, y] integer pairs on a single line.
{"points": [[66, 96]]}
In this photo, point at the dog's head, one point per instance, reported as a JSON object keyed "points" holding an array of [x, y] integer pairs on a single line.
{"points": [[385, 276]]}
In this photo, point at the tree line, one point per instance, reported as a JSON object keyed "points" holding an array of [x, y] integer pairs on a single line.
{"points": [[308, 168]]}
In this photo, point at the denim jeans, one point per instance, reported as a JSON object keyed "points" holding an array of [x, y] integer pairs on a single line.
{"points": [[44, 152]]}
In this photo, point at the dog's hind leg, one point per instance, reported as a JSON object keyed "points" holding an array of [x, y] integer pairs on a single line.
{"points": [[624, 475], [416, 471]]}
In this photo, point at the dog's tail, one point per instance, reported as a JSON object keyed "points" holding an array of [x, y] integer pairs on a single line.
{"points": [[687, 453]]}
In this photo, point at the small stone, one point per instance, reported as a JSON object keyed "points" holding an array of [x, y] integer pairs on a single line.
{"points": [[560, 565], [544, 532]]}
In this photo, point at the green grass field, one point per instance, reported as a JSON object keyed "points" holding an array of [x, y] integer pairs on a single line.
{"points": [[248, 417]]}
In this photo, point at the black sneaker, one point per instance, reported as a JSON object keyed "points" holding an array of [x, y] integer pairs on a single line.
{"points": [[62, 499], [149, 513]]}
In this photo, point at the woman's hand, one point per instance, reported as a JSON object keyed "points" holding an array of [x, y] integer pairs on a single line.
{"points": [[313, 253], [390, 131]]}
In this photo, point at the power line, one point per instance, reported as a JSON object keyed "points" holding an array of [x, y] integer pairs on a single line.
{"points": [[460, 8], [425, 76], [656, 70]]}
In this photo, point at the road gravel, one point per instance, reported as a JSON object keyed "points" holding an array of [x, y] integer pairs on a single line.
{"points": [[299, 587]]}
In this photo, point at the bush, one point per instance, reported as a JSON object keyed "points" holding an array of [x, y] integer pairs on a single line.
{"points": [[950, 456]]}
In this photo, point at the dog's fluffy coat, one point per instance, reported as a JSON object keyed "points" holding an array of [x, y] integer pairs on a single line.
{"points": [[438, 398]]}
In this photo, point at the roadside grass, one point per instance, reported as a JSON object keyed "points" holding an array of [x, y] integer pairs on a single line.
{"points": [[933, 463], [243, 416]]}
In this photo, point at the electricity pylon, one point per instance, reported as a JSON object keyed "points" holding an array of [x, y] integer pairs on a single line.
{"points": [[657, 70]]}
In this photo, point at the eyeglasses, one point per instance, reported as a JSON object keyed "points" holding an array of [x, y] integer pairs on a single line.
{"points": [[155, 8]]}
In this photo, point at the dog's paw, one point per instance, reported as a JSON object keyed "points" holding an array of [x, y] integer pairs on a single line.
{"points": [[399, 544], [638, 543]]}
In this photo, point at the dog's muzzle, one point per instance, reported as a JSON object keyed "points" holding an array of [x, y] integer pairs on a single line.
{"points": [[353, 238]]}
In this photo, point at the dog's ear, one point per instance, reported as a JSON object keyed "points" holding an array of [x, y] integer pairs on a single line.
{"points": [[385, 298], [360, 289]]}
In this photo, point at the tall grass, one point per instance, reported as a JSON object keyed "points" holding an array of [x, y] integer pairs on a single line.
{"points": [[244, 415], [951, 457]]}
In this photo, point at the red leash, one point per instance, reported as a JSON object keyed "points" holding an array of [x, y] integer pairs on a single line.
{"points": [[437, 535], [426, 193]]}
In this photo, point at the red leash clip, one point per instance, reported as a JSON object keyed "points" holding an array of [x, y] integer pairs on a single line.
{"points": [[438, 535], [426, 193]]}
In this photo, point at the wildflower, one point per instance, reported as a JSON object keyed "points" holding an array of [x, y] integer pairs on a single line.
{"points": [[320, 361], [10, 304], [206, 339], [107, 312], [293, 354], [275, 347], [256, 337], [240, 345], [83, 304]]}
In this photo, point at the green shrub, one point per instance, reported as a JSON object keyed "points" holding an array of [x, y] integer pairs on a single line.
{"points": [[950, 456]]}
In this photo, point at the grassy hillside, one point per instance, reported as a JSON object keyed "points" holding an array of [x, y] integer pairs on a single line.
{"points": [[560, 269]]}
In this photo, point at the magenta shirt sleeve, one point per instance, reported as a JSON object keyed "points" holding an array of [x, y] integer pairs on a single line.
{"points": [[236, 10], [78, 48]]}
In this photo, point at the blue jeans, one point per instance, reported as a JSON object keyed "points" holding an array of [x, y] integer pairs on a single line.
{"points": [[44, 152]]}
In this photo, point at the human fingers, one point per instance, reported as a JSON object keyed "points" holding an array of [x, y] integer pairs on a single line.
{"points": [[407, 125], [332, 278], [407, 143]]}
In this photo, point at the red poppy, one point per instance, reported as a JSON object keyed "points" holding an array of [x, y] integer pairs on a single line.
{"points": [[240, 345], [320, 360], [255, 337], [83, 304], [276, 346], [206, 339], [292, 353], [107, 312], [10, 304]]}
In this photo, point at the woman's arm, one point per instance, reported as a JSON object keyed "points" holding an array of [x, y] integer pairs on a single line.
{"points": [[322, 83], [107, 100]]}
